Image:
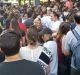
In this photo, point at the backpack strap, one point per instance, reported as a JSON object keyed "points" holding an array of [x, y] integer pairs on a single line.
{"points": [[76, 34]]}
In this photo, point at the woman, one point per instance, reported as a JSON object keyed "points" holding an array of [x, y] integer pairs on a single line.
{"points": [[51, 45], [32, 51], [64, 62]]}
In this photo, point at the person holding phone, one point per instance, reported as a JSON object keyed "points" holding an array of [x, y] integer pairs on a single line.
{"points": [[46, 36]]}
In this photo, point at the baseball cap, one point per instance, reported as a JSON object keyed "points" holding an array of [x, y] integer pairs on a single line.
{"points": [[45, 31]]}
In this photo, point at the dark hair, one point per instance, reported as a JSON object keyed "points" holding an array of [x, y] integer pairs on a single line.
{"points": [[64, 28], [32, 35], [9, 43], [15, 26], [77, 17], [56, 14], [10, 17], [43, 32]]}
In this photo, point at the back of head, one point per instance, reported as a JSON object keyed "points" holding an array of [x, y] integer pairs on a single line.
{"points": [[64, 28], [9, 43], [45, 31], [32, 35], [14, 25], [77, 17]]}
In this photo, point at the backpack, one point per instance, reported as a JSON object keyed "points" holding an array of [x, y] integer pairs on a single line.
{"points": [[76, 50]]}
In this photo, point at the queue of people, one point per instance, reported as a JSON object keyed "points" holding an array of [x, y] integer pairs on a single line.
{"points": [[42, 40]]}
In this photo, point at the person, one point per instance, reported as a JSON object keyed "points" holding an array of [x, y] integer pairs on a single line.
{"points": [[55, 21], [63, 61], [14, 25], [51, 45], [37, 23], [45, 20], [13, 64], [69, 43], [32, 51], [69, 4], [7, 21], [29, 21]]}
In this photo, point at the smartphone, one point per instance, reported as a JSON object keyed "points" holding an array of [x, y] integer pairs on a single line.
{"points": [[44, 58]]}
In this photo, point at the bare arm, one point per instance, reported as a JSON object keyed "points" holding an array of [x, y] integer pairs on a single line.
{"points": [[65, 52]]}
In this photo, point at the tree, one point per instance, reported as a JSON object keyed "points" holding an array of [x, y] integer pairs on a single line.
{"points": [[21, 2]]}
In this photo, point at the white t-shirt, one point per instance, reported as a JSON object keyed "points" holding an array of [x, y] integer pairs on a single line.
{"points": [[46, 21], [55, 25], [52, 46], [31, 54]]}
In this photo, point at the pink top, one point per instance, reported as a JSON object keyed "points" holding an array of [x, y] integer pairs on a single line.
{"points": [[23, 27]]}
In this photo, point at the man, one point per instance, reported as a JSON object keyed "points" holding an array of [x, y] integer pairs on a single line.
{"points": [[56, 21], [70, 42], [13, 64]]}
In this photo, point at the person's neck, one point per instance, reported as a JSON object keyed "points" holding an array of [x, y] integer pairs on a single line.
{"points": [[32, 46], [13, 58]]}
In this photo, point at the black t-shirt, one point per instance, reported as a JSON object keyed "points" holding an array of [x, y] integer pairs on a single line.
{"points": [[21, 67], [2, 57]]}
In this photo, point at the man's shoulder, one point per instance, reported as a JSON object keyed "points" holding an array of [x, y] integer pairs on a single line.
{"points": [[23, 62], [19, 64], [21, 67]]}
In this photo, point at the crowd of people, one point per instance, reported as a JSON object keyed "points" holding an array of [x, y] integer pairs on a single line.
{"points": [[40, 40]]}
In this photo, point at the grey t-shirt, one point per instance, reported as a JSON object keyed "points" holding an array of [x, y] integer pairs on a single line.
{"points": [[21, 67]]}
